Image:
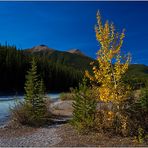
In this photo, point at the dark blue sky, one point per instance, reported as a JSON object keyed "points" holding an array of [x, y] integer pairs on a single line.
{"points": [[65, 25]]}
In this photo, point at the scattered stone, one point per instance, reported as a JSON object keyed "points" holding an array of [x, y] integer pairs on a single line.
{"points": [[42, 137]]}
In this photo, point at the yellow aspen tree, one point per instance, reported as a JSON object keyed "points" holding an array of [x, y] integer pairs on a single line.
{"points": [[111, 65]]}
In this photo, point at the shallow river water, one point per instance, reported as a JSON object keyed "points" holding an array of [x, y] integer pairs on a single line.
{"points": [[7, 102]]}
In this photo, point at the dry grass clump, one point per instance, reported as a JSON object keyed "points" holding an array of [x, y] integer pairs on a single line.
{"points": [[67, 96]]}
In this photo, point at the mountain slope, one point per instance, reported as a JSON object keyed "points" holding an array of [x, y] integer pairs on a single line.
{"points": [[76, 59], [60, 70], [75, 51], [73, 58], [138, 70], [40, 49]]}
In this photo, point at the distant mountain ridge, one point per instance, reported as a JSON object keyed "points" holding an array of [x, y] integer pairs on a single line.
{"points": [[45, 48], [72, 57], [60, 70], [76, 59], [40, 48]]}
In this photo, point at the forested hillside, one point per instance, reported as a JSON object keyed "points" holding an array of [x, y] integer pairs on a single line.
{"points": [[73, 58], [137, 75], [59, 69], [14, 65]]}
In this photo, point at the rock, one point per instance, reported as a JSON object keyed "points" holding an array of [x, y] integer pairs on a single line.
{"points": [[63, 108]]}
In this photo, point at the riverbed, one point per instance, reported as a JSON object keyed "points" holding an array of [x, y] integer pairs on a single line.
{"points": [[8, 102]]}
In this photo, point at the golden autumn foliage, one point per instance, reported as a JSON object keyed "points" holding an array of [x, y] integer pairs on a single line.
{"points": [[112, 66]]}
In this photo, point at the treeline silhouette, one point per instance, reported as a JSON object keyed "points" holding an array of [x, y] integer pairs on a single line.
{"points": [[59, 70], [14, 64]]}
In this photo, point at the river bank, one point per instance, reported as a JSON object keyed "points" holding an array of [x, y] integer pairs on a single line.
{"points": [[9, 101], [13, 134], [59, 133]]}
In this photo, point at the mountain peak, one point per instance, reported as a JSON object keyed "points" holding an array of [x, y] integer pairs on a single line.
{"points": [[45, 49], [75, 51], [41, 48]]}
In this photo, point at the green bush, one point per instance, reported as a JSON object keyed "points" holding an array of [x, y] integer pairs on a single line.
{"points": [[142, 107], [144, 99], [136, 111], [84, 108], [66, 96], [25, 114]]}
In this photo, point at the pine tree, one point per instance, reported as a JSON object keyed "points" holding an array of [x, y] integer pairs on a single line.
{"points": [[31, 85], [34, 97], [41, 87], [84, 108], [40, 106]]}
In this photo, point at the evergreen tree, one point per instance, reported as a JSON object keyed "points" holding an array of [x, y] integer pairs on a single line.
{"points": [[34, 97], [41, 88], [31, 85], [84, 108], [40, 106]]}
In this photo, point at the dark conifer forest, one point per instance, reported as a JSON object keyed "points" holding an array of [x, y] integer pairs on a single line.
{"points": [[60, 70], [14, 65]]}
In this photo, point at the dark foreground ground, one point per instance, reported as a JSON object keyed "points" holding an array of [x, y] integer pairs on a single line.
{"points": [[70, 137], [60, 135]]}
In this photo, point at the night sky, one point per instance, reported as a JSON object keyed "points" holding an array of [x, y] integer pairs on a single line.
{"points": [[65, 25]]}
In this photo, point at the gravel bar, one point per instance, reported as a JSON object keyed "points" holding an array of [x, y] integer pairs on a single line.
{"points": [[43, 137]]}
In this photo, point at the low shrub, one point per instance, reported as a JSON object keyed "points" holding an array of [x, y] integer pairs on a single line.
{"points": [[26, 114], [107, 119], [66, 96], [143, 101], [129, 118], [136, 113]]}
